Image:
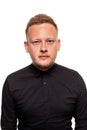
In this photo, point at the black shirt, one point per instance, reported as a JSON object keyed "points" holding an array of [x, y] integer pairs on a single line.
{"points": [[44, 100]]}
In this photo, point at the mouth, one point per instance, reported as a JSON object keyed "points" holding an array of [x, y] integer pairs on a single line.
{"points": [[44, 57]]}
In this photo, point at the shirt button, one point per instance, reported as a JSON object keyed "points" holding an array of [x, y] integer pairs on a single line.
{"points": [[44, 83]]}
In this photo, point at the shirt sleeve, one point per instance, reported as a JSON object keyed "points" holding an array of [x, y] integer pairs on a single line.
{"points": [[81, 107], [8, 114]]}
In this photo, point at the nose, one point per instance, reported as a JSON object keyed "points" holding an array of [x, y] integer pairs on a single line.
{"points": [[43, 47]]}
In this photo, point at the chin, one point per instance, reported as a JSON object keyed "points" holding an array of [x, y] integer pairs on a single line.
{"points": [[44, 67]]}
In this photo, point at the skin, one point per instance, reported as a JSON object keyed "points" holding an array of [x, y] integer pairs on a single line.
{"points": [[42, 44]]}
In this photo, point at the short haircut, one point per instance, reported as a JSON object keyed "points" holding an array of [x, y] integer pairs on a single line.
{"points": [[40, 19]]}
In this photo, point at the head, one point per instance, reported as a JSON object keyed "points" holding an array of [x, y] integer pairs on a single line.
{"points": [[42, 41]]}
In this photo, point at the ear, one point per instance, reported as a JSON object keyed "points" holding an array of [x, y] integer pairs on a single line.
{"points": [[58, 47], [26, 46]]}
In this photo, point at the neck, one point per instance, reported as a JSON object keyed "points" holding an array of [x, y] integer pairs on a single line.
{"points": [[43, 68]]}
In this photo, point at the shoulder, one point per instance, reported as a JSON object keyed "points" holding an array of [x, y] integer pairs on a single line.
{"points": [[69, 75], [18, 78], [63, 70], [71, 79], [20, 74]]}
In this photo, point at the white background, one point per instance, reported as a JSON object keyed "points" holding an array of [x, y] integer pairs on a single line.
{"points": [[71, 17]]}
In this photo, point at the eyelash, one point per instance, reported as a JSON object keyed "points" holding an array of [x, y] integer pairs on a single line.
{"points": [[38, 42], [50, 41]]}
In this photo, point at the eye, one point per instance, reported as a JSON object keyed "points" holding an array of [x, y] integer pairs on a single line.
{"points": [[50, 41], [36, 42]]}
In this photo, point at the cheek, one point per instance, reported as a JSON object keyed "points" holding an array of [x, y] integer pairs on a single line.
{"points": [[34, 52], [53, 50]]}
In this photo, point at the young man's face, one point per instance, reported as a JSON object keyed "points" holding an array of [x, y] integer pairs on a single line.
{"points": [[42, 45]]}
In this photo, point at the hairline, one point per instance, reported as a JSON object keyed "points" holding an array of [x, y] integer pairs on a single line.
{"points": [[56, 28]]}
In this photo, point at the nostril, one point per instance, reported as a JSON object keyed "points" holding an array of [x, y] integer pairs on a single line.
{"points": [[43, 50]]}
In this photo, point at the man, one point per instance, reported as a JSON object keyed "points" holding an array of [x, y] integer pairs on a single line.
{"points": [[43, 95]]}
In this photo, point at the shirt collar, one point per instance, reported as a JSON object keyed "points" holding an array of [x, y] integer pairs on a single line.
{"points": [[38, 72]]}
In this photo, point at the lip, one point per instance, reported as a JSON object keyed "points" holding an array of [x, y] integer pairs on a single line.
{"points": [[43, 57]]}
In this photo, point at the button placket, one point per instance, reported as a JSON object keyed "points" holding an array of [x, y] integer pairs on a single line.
{"points": [[44, 83], [45, 95], [45, 91]]}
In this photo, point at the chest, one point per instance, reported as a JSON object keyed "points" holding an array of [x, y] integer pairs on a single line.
{"points": [[43, 97]]}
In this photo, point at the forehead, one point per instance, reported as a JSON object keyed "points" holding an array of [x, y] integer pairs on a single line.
{"points": [[42, 29]]}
